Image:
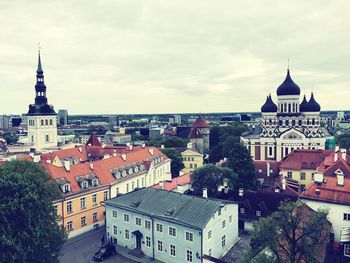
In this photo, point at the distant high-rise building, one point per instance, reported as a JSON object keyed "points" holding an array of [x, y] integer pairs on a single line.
{"points": [[175, 119], [4, 121], [113, 121], [41, 116], [62, 117]]}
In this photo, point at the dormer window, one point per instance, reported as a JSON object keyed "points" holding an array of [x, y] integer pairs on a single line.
{"points": [[123, 173], [142, 167], [136, 169], [94, 182], [258, 213], [84, 184], [130, 171], [66, 188], [242, 210], [118, 175]]}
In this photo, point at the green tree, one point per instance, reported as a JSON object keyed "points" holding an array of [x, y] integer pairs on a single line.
{"points": [[174, 142], [28, 225], [10, 138], [176, 161], [343, 140], [293, 233], [211, 177]]}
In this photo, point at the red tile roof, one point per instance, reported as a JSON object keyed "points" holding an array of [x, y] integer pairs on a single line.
{"points": [[330, 191], [304, 159], [329, 166], [77, 152], [201, 123], [102, 168], [195, 133], [93, 140], [262, 166], [180, 180]]}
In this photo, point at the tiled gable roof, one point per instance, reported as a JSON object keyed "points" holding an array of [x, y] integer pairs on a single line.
{"points": [[172, 184], [304, 159]]}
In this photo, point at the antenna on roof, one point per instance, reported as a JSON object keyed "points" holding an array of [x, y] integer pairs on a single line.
{"points": [[39, 47], [288, 65]]}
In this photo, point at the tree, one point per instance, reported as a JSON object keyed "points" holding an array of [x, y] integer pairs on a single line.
{"points": [[343, 140], [211, 177], [176, 161], [10, 138], [28, 225], [174, 142], [293, 234], [241, 163], [222, 139]]}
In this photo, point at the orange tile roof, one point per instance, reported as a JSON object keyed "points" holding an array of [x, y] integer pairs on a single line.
{"points": [[330, 191], [102, 168], [78, 152], [171, 185]]}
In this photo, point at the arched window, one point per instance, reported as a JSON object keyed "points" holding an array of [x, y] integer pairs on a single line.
{"points": [[51, 122], [287, 122], [47, 138], [300, 122], [313, 121], [42, 122], [289, 108], [293, 122], [46, 122]]}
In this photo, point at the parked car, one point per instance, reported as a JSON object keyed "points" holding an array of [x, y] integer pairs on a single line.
{"points": [[104, 252]]}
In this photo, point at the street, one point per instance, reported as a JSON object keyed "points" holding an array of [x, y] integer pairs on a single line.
{"points": [[81, 249]]}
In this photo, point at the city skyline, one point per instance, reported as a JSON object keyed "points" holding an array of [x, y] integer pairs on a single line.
{"points": [[164, 57]]}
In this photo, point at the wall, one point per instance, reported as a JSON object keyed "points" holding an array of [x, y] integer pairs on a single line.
{"points": [[38, 132]]}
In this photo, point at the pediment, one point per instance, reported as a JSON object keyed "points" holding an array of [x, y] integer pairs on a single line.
{"points": [[292, 134]]}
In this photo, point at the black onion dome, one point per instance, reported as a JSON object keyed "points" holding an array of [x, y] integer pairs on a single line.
{"points": [[313, 106], [304, 105], [288, 87], [269, 105]]}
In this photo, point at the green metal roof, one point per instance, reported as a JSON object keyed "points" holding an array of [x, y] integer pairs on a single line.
{"points": [[170, 206]]}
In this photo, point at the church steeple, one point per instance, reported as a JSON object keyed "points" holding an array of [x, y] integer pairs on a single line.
{"points": [[40, 87]]}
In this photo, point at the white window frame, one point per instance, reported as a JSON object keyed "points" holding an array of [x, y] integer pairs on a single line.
{"points": [[223, 241], [94, 217], [69, 225], [347, 250], [171, 250], [147, 224], [138, 221], [189, 254], [159, 242], [94, 182], [126, 216], [175, 230], [81, 221], [346, 217], [148, 241], [84, 184], [190, 235], [114, 214], [230, 219], [159, 226], [127, 234], [223, 224], [82, 203], [94, 199], [115, 230], [258, 213], [209, 234], [69, 204]]}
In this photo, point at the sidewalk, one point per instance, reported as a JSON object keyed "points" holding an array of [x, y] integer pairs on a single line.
{"points": [[125, 252]]}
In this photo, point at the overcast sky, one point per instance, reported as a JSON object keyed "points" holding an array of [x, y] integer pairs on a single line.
{"points": [[162, 56]]}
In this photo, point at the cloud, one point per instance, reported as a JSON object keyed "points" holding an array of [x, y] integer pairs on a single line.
{"points": [[158, 56]]}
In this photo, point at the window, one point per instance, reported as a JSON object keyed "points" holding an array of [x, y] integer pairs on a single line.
{"points": [[148, 241], [219, 212], [159, 227], [84, 185], [189, 236], [347, 250], [55, 210], [223, 224], [289, 174], [70, 225], [302, 187], [94, 182], [69, 207], [42, 122], [126, 218], [230, 219], [209, 252], [223, 241], [191, 166], [46, 122], [83, 221], [147, 224], [47, 138], [172, 231], [94, 217], [138, 221], [346, 217], [115, 230], [132, 186], [105, 195], [302, 176], [82, 203], [94, 199], [172, 251], [258, 213], [127, 234], [195, 166], [242, 210], [209, 234], [66, 188], [127, 188], [189, 255], [116, 191], [115, 214], [160, 246], [51, 122], [270, 151]]}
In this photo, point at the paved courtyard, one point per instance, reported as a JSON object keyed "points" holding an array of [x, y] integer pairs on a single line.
{"points": [[241, 246], [81, 249]]}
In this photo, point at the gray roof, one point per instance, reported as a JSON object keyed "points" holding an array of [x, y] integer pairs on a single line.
{"points": [[179, 208]]}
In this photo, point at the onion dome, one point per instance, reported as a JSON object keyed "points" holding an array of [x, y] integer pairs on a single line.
{"points": [[288, 87], [269, 105], [201, 123], [313, 106], [304, 105]]}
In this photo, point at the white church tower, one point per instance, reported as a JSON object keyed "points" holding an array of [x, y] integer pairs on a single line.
{"points": [[42, 118]]}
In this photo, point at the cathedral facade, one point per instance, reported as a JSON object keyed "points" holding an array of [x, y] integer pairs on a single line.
{"points": [[287, 125], [41, 116]]}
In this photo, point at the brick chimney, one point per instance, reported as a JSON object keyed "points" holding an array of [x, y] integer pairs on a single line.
{"points": [[205, 192]]}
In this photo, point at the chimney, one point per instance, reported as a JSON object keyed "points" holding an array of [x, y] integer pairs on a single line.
{"points": [[36, 158], [340, 178], [336, 148], [189, 145], [130, 147], [143, 145], [123, 156], [226, 189], [91, 165], [284, 183], [268, 169], [161, 184], [240, 192], [103, 145], [162, 146], [67, 165], [205, 192], [343, 154], [80, 149], [335, 156], [150, 151]]}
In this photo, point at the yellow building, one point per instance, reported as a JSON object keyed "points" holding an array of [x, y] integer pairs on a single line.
{"points": [[191, 160]]}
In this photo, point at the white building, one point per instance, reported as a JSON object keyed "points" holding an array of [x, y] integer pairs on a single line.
{"points": [[41, 117], [172, 227], [286, 126]]}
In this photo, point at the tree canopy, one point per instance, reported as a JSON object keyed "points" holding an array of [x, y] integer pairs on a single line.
{"points": [[241, 163], [171, 142], [222, 139], [293, 233], [211, 177], [343, 140], [28, 225], [10, 138], [176, 161]]}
